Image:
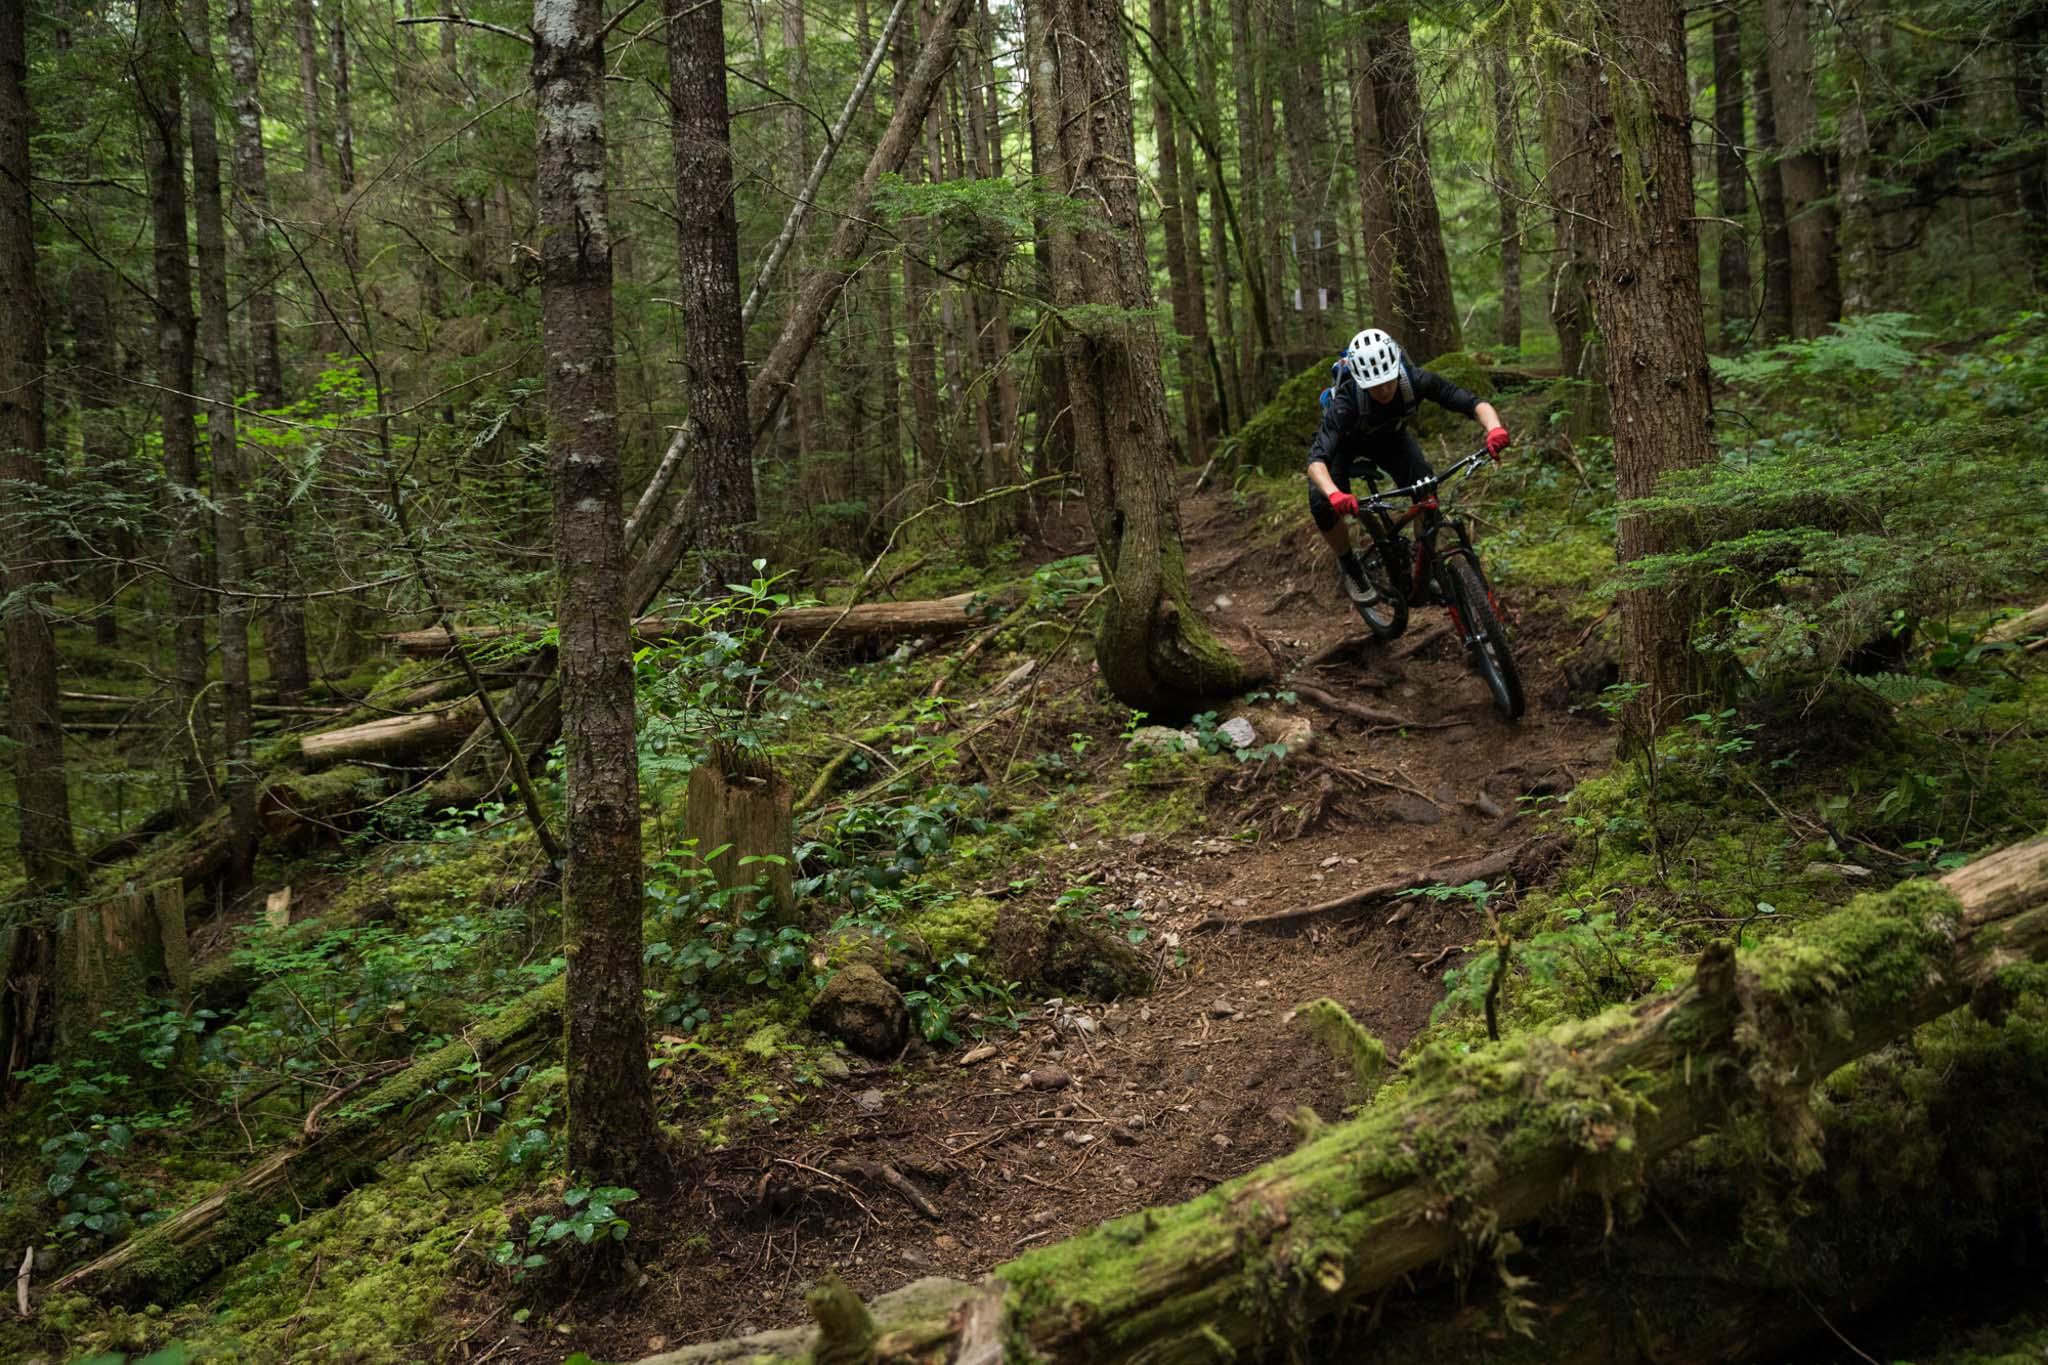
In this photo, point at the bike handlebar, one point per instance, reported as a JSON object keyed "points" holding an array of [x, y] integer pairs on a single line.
{"points": [[1424, 486]]}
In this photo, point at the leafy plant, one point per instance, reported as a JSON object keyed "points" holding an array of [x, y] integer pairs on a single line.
{"points": [[588, 1215]]}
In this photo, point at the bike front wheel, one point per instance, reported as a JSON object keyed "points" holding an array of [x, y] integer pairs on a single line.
{"points": [[1386, 613], [1472, 606]]}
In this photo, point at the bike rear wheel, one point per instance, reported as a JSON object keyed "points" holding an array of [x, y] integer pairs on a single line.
{"points": [[1495, 662], [1386, 616]]}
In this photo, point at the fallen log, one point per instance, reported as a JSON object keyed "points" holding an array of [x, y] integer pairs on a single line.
{"points": [[166, 1261], [1528, 854], [869, 620], [392, 738], [2034, 622], [1476, 1144]]}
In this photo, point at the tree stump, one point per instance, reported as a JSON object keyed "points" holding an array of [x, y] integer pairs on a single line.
{"points": [[112, 953], [738, 813]]}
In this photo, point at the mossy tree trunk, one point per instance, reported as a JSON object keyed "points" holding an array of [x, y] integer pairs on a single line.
{"points": [[1482, 1142], [1155, 651], [612, 1134], [1424, 317]]}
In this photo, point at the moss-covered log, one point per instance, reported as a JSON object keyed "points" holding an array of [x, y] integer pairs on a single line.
{"points": [[933, 616], [1482, 1142], [168, 1260]]}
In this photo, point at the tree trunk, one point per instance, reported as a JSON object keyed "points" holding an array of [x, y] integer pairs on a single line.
{"points": [[1571, 176], [885, 475], [1731, 175], [97, 381], [1223, 347], [2031, 108], [344, 119], [327, 339], [1180, 288], [1155, 652], [1508, 185], [1375, 193], [1647, 292], [224, 458], [1776, 321], [612, 1134], [1810, 220], [1860, 269], [1308, 178], [707, 245], [157, 86], [1259, 359], [1202, 347], [284, 620], [821, 290], [26, 554], [1475, 1146], [25, 551], [1425, 319]]}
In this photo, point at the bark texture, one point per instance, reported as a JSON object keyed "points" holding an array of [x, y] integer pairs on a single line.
{"points": [[1809, 218], [707, 241], [25, 550], [224, 456], [612, 1134], [1155, 651], [1507, 185], [820, 293], [1858, 237], [1476, 1145], [1731, 176], [1647, 293], [1776, 320], [158, 88], [1411, 275]]}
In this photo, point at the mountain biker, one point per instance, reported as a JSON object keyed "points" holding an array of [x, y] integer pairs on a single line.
{"points": [[1365, 421]]}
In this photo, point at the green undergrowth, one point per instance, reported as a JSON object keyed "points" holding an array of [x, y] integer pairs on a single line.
{"points": [[1743, 823]]}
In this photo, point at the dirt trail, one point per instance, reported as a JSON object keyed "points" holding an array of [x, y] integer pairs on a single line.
{"points": [[1162, 1097]]}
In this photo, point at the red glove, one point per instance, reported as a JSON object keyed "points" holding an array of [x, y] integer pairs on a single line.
{"points": [[1343, 504], [1497, 441]]}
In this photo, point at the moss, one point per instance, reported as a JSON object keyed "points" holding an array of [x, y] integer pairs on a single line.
{"points": [[1466, 372], [1275, 440], [366, 1280], [963, 924], [1356, 1049], [1163, 796]]}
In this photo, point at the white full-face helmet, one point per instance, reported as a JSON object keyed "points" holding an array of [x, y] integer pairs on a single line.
{"points": [[1374, 358]]}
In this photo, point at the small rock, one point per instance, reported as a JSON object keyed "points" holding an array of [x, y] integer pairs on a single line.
{"points": [[833, 1067], [1332, 860], [1240, 732], [860, 1007], [1262, 984], [1135, 840], [1048, 1078], [946, 1241], [1413, 810], [1042, 1217], [1221, 1143], [869, 1101], [1238, 902], [1487, 806], [1137, 1121], [1074, 1137], [1162, 739], [1447, 796], [1224, 602], [1078, 1022], [1122, 1135], [1222, 1009]]}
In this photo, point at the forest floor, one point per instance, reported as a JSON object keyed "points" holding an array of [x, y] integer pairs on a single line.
{"points": [[1088, 1111]]}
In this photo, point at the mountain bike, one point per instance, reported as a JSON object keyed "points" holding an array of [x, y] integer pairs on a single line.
{"points": [[1400, 575]]}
